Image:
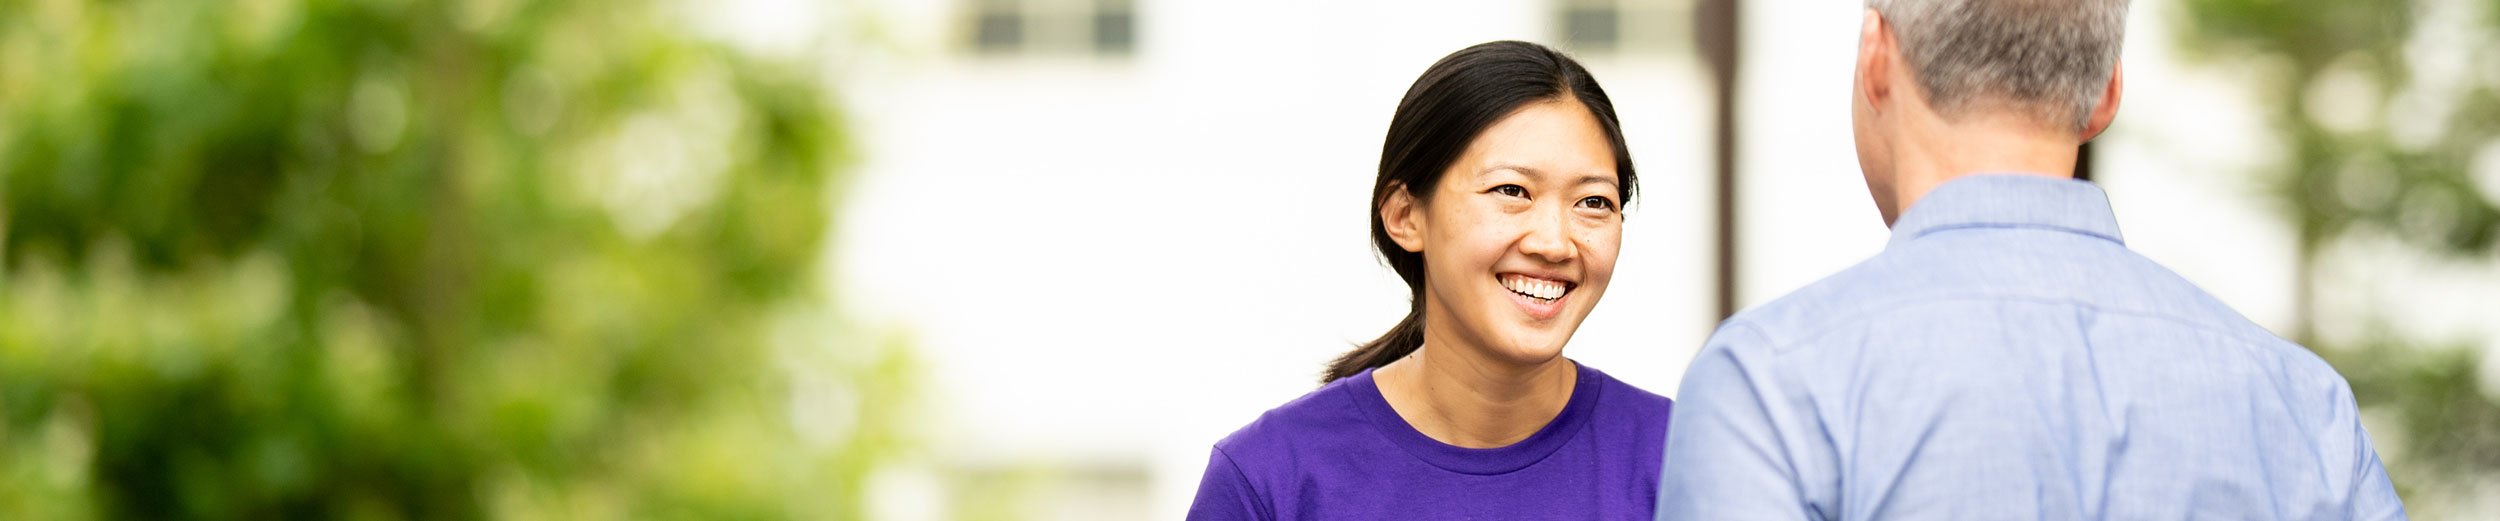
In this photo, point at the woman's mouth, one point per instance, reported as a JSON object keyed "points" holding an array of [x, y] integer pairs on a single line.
{"points": [[1540, 297]]}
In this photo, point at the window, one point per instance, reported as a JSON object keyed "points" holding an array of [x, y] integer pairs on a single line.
{"points": [[1053, 27], [998, 26], [1115, 27], [1624, 26]]}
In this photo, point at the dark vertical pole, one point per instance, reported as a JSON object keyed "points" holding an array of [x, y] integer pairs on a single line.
{"points": [[2083, 162], [1717, 27]]}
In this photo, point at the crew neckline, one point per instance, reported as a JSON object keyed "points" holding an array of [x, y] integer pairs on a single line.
{"points": [[1497, 460]]}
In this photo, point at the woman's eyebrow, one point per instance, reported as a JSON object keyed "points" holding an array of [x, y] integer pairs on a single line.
{"points": [[1539, 175], [1525, 170]]}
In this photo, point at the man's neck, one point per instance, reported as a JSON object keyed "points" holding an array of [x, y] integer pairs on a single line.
{"points": [[1935, 152], [1460, 397]]}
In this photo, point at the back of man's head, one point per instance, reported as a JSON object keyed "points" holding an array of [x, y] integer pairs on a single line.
{"points": [[2047, 59]]}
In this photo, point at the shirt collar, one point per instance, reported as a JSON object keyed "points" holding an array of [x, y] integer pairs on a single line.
{"points": [[2010, 201]]}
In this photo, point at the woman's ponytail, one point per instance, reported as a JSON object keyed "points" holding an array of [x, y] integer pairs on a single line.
{"points": [[1400, 341]]}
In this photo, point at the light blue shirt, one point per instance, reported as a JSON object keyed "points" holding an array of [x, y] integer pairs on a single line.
{"points": [[2006, 357]]}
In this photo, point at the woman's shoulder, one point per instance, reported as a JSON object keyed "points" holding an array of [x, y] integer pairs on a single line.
{"points": [[1331, 415], [1619, 399], [1306, 434]]}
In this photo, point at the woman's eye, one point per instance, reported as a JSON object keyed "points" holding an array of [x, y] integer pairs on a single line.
{"points": [[1596, 202], [1511, 190]]}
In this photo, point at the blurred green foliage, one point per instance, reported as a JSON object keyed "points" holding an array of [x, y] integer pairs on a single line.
{"points": [[2429, 109], [2386, 111], [403, 259]]}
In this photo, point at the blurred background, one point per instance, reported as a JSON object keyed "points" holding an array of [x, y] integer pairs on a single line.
{"points": [[1029, 259]]}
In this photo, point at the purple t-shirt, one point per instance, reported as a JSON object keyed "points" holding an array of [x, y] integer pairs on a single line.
{"points": [[1340, 452]]}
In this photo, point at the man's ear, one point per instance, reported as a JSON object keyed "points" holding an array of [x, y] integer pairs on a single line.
{"points": [[1876, 51], [2106, 110], [1403, 217]]}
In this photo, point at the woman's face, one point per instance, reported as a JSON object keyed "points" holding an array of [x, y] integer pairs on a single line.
{"points": [[1519, 238]]}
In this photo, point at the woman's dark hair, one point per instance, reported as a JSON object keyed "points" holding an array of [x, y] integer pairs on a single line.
{"points": [[1444, 111]]}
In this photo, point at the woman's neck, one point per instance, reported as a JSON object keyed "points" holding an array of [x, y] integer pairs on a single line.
{"points": [[1462, 398]]}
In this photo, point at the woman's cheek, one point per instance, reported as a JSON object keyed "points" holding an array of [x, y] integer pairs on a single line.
{"points": [[1603, 235], [1601, 245]]}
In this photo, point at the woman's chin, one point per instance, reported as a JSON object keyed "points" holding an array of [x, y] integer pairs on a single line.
{"points": [[1527, 350], [1539, 341]]}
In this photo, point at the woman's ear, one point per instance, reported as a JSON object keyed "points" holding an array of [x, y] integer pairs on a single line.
{"points": [[1402, 215]]}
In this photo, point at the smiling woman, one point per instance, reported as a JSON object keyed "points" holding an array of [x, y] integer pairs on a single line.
{"points": [[1472, 96], [1499, 201]]}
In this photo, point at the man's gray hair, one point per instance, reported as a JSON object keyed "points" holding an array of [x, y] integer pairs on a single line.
{"points": [[2050, 59]]}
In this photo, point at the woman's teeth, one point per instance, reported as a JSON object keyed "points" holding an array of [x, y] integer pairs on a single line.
{"points": [[1534, 287]]}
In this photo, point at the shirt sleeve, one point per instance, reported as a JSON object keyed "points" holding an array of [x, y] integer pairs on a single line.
{"points": [[2373, 496], [1729, 454], [1224, 493]]}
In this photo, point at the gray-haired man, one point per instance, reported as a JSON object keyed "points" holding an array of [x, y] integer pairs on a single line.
{"points": [[2006, 356]]}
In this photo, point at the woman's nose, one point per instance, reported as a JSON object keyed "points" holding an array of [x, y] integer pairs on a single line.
{"points": [[1549, 237]]}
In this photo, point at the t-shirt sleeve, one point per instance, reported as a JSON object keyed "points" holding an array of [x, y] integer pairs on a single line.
{"points": [[1224, 493], [1727, 457]]}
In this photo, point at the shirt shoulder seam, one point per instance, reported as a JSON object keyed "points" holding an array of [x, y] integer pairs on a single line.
{"points": [[1258, 498]]}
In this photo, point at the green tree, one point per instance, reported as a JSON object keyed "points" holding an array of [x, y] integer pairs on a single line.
{"points": [[401, 259], [2381, 139]]}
